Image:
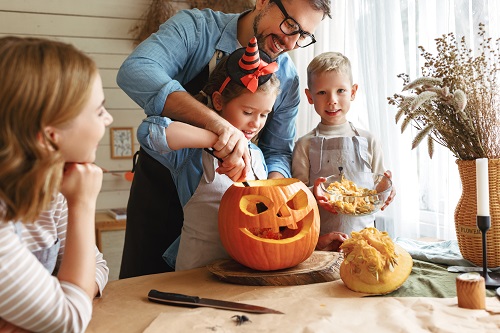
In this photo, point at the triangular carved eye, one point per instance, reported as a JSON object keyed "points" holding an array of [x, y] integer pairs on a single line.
{"points": [[299, 201], [255, 204]]}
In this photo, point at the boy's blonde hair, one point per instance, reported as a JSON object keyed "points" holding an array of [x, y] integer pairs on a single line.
{"points": [[42, 83], [327, 62]]}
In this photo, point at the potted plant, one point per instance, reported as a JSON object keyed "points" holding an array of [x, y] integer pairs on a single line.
{"points": [[456, 103]]}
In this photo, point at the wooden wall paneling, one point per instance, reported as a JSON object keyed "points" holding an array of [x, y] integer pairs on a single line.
{"points": [[109, 77], [106, 8], [108, 61], [91, 46], [117, 99], [112, 198], [61, 25], [126, 117], [114, 182]]}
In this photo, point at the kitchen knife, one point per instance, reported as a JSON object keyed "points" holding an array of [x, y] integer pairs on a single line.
{"points": [[211, 152], [261, 207], [195, 301]]}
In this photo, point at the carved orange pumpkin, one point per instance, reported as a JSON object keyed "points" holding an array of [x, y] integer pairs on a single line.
{"points": [[271, 224]]}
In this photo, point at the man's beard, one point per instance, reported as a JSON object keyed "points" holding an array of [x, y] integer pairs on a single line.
{"points": [[261, 38]]}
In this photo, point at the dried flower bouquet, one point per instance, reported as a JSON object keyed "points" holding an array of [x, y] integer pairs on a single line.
{"points": [[456, 102]]}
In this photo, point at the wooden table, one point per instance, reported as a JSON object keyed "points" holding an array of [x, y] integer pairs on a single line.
{"points": [[319, 307]]}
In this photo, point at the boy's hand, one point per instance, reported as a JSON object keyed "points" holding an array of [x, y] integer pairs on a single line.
{"points": [[322, 200], [388, 174], [331, 241]]}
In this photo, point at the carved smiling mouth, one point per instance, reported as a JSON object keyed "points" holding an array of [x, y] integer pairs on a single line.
{"points": [[283, 233]]}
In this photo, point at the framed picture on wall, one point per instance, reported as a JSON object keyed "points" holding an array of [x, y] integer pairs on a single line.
{"points": [[122, 142]]}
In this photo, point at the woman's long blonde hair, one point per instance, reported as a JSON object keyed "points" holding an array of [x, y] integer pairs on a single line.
{"points": [[42, 83]]}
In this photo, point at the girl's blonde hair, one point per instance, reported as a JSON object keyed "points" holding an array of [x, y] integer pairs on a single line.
{"points": [[232, 89], [327, 62], [42, 83]]}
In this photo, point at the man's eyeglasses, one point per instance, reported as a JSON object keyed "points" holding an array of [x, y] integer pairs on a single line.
{"points": [[290, 27]]}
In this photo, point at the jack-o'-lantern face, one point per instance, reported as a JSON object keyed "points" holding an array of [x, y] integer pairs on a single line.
{"points": [[271, 224]]}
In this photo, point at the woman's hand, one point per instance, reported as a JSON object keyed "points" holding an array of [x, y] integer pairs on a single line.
{"points": [[331, 241], [81, 182], [320, 196], [81, 185], [6, 327], [388, 174]]}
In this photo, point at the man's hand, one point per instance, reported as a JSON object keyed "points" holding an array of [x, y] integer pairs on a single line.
{"points": [[322, 200], [232, 148]]}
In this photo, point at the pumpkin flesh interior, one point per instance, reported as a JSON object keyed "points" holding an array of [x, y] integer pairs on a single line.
{"points": [[373, 263], [292, 236]]}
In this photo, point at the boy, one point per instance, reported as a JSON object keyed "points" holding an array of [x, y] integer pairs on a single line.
{"points": [[334, 143]]}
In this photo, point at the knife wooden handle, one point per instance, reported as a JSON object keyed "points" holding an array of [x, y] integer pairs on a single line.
{"points": [[172, 297]]}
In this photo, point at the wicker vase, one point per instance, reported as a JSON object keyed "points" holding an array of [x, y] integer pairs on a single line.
{"points": [[468, 235]]}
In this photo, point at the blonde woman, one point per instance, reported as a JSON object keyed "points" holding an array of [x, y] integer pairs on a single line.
{"points": [[52, 118]]}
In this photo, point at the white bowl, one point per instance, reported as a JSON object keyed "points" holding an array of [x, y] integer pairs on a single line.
{"points": [[373, 191]]}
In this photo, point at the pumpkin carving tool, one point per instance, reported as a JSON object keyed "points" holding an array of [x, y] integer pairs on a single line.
{"points": [[261, 207], [195, 301]]}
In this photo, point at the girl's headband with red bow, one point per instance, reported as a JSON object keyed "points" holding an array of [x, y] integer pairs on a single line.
{"points": [[249, 67]]}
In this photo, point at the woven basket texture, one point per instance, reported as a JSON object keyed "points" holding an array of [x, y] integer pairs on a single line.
{"points": [[468, 235]]}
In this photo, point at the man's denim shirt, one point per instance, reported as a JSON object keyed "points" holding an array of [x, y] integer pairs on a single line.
{"points": [[178, 52]]}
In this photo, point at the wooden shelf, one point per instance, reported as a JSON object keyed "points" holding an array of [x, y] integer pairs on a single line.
{"points": [[104, 222]]}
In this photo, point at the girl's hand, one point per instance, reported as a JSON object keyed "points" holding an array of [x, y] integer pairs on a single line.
{"points": [[81, 182], [388, 174], [320, 196], [331, 241], [232, 148]]}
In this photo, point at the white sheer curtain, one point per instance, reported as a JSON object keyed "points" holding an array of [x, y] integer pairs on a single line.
{"points": [[381, 39]]}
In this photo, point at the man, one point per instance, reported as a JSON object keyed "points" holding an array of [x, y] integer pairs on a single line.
{"points": [[160, 75]]}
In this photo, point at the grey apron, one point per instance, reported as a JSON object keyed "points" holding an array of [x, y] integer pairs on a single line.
{"points": [[326, 155], [200, 242], [47, 257]]}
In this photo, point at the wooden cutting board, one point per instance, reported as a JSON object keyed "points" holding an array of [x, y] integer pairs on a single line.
{"points": [[321, 266]]}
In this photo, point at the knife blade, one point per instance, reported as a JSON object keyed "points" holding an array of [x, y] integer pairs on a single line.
{"points": [[211, 152], [195, 301]]}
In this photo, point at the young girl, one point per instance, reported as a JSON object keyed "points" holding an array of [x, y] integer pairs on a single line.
{"points": [[52, 118], [242, 89]]}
